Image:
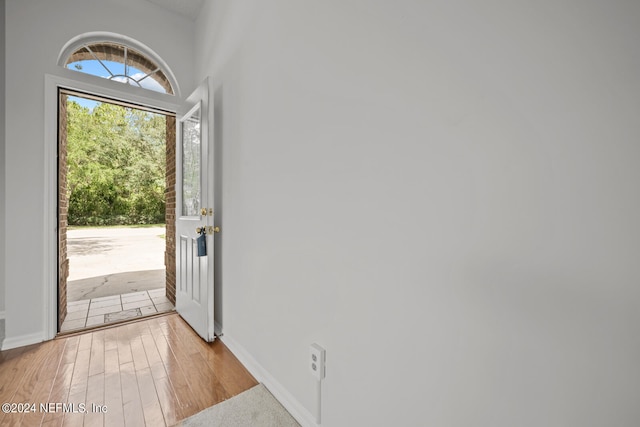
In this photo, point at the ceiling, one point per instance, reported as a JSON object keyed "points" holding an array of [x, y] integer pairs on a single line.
{"points": [[188, 8]]}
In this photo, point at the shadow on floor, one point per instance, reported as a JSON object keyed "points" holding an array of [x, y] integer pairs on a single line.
{"points": [[115, 284]]}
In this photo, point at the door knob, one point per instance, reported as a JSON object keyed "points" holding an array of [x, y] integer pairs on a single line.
{"points": [[203, 211], [208, 229]]}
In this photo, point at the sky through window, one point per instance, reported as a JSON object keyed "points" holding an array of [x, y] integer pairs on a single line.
{"points": [[119, 63]]}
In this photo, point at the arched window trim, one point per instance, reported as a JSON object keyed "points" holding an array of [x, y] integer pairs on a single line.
{"points": [[96, 37]]}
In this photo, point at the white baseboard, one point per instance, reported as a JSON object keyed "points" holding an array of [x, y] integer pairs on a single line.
{"points": [[299, 412], [22, 340]]}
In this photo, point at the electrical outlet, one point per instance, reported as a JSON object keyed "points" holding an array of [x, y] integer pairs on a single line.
{"points": [[317, 361]]}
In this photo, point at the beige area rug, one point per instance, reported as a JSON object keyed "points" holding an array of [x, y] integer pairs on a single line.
{"points": [[255, 407]]}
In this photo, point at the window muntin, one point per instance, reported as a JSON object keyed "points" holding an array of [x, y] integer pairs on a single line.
{"points": [[121, 63]]}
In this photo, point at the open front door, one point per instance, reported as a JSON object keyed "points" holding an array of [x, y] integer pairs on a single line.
{"points": [[194, 213]]}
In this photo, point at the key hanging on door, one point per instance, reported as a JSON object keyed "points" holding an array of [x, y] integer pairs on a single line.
{"points": [[202, 241]]}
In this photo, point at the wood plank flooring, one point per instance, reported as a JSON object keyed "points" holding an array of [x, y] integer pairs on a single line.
{"points": [[153, 372]]}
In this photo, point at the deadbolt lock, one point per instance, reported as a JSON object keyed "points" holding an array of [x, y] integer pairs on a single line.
{"points": [[203, 211]]}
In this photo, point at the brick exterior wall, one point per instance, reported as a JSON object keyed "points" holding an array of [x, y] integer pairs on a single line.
{"points": [[170, 215], [63, 208]]}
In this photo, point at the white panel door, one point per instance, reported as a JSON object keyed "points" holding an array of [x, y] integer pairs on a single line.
{"points": [[194, 211]]}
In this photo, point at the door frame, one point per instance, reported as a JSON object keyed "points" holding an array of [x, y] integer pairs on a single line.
{"points": [[73, 80]]}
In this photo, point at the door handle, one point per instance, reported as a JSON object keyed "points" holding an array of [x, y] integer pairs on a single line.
{"points": [[208, 229]]}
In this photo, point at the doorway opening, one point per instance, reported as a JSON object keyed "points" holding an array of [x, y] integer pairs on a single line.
{"points": [[116, 204]]}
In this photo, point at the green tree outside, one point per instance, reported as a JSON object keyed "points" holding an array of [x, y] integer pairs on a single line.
{"points": [[116, 165]]}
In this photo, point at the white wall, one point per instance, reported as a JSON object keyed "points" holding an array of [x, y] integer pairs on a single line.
{"points": [[2, 168], [36, 32], [442, 194]]}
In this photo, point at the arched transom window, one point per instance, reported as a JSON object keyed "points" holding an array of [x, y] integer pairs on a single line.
{"points": [[115, 61]]}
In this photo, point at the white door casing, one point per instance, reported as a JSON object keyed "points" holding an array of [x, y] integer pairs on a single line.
{"points": [[194, 210], [72, 80]]}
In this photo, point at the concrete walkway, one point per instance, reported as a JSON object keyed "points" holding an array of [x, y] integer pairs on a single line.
{"points": [[114, 261]]}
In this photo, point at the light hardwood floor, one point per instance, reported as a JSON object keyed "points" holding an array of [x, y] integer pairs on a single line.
{"points": [[153, 372]]}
